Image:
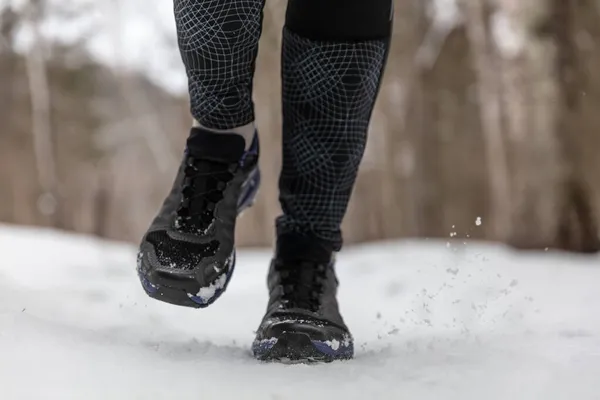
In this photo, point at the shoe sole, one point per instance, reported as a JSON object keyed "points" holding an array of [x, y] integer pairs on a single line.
{"points": [[294, 347], [183, 289], [180, 290]]}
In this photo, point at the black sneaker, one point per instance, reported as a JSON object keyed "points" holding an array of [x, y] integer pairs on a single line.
{"points": [[302, 322], [187, 256]]}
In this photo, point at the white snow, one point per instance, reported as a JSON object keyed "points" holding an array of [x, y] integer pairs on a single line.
{"points": [[334, 344], [471, 321], [207, 293]]}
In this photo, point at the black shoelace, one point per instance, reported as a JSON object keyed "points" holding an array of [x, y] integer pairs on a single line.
{"points": [[203, 185], [302, 284]]}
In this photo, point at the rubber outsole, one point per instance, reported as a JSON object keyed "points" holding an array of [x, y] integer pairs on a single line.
{"points": [[160, 287], [294, 347]]}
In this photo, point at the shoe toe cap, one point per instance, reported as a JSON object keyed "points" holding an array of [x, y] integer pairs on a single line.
{"points": [[314, 329]]}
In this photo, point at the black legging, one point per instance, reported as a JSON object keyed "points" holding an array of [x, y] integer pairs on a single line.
{"points": [[333, 57]]}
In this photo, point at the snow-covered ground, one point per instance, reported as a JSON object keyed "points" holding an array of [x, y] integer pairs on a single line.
{"points": [[468, 321]]}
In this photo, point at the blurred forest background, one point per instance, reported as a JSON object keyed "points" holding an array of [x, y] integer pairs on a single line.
{"points": [[486, 125]]}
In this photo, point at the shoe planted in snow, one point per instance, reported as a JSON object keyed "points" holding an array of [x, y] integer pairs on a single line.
{"points": [[302, 322]]}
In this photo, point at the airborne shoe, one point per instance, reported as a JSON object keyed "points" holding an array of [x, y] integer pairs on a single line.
{"points": [[188, 255], [302, 322]]}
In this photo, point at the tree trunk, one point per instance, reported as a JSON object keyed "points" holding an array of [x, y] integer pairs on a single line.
{"points": [[489, 92], [527, 64], [39, 92]]}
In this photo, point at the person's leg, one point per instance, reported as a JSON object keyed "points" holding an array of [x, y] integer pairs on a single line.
{"points": [[218, 42], [333, 57], [187, 256]]}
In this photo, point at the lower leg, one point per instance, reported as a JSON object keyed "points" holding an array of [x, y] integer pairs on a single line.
{"points": [[218, 42], [334, 53], [333, 57], [187, 256]]}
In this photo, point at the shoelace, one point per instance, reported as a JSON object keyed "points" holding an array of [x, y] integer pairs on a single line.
{"points": [[203, 185], [302, 284]]}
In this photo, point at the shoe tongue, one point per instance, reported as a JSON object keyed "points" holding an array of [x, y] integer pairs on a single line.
{"points": [[220, 147]]}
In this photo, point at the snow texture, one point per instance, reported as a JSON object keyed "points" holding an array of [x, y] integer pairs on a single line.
{"points": [[207, 293], [471, 321]]}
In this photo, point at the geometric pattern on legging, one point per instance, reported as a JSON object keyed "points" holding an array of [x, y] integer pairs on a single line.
{"points": [[329, 90], [218, 42]]}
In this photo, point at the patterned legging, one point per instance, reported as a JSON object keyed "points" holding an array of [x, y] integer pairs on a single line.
{"points": [[333, 57]]}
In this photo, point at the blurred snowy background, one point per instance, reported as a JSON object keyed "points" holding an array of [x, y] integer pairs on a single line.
{"points": [[486, 128]]}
